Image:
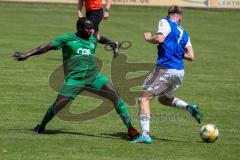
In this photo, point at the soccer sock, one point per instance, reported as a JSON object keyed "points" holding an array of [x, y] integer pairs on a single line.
{"points": [[145, 124], [122, 110], [179, 103], [48, 116]]}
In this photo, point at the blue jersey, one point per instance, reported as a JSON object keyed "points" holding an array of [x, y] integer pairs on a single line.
{"points": [[171, 51]]}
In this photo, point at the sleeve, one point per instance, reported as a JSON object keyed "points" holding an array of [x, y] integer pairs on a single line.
{"points": [[164, 27], [60, 41], [188, 42]]}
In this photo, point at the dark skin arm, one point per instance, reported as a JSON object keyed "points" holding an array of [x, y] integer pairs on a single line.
{"points": [[19, 56]]}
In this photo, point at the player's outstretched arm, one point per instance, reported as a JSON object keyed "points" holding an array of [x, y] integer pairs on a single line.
{"points": [[19, 56], [159, 38], [189, 54]]}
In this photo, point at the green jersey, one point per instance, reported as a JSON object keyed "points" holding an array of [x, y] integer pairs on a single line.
{"points": [[78, 55]]}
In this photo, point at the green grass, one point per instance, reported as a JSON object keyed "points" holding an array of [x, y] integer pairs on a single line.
{"points": [[211, 81]]}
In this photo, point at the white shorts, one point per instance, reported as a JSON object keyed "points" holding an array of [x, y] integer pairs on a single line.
{"points": [[163, 81]]}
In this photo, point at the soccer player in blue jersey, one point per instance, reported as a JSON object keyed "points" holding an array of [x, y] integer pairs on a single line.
{"points": [[173, 47]]}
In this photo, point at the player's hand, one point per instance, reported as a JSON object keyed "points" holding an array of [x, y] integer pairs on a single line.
{"points": [[106, 15], [148, 36], [19, 56], [80, 15]]}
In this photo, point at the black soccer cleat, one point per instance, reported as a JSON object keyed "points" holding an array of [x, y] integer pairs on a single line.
{"points": [[38, 129]]}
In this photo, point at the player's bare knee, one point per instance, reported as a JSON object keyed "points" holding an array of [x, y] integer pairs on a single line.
{"points": [[109, 87], [114, 95], [62, 99], [143, 99]]}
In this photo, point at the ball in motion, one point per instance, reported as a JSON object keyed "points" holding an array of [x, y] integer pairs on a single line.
{"points": [[209, 133]]}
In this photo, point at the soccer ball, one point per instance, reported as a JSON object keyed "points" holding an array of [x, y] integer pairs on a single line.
{"points": [[209, 133]]}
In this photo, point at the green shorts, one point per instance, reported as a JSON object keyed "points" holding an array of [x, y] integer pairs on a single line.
{"points": [[73, 86]]}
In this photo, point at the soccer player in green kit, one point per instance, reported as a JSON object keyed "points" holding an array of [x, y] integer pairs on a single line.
{"points": [[80, 73]]}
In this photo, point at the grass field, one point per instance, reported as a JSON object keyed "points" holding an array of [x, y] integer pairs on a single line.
{"points": [[211, 81]]}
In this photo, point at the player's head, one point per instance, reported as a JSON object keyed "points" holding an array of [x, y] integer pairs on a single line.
{"points": [[175, 12], [84, 27]]}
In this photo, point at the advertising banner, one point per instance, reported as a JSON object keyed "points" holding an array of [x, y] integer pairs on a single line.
{"points": [[182, 3], [224, 3], [185, 3]]}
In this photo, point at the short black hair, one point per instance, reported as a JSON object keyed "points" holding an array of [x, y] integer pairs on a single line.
{"points": [[83, 22], [174, 9]]}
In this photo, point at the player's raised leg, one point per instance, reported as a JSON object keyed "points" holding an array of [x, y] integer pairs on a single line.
{"points": [[178, 103]]}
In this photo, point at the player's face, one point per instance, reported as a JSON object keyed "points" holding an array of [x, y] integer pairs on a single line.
{"points": [[87, 31]]}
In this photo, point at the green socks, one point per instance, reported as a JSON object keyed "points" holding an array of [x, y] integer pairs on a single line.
{"points": [[48, 116], [122, 110]]}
